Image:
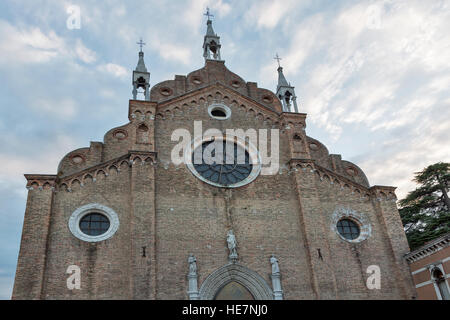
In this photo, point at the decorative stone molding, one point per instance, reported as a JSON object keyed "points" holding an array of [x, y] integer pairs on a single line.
{"points": [[40, 181], [92, 173], [252, 151], [429, 248], [383, 193], [79, 213], [358, 217], [222, 107], [225, 91], [235, 272], [379, 193]]}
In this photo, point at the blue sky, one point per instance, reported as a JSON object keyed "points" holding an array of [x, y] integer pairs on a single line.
{"points": [[373, 77]]}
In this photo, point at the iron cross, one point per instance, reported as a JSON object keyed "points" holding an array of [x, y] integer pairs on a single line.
{"points": [[140, 43], [278, 59], [208, 14]]}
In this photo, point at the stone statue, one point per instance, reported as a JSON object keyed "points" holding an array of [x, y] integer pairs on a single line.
{"points": [[275, 267], [192, 265], [276, 279], [231, 240]]}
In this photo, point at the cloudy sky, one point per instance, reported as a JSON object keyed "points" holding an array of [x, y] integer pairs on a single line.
{"points": [[373, 77]]}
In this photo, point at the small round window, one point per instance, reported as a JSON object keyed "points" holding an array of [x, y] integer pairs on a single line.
{"points": [[94, 224], [219, 111], [348, 229]]}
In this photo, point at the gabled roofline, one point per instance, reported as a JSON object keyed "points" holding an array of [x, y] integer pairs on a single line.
{"points": [[216, 84]]}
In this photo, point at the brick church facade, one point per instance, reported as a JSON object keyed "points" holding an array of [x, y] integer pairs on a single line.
{"points": [[136, 225]]}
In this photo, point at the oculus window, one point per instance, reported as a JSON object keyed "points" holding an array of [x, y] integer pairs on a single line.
{"points": [[94, 224], [224, 173], [223, 163], [348, 229]]}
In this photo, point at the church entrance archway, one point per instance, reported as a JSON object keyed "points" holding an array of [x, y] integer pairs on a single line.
{"points": [[233, 291], [235, 282]]}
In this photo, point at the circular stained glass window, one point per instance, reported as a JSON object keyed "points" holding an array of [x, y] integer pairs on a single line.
{"points": [[348, 229], [94, 224], [221, 166]]}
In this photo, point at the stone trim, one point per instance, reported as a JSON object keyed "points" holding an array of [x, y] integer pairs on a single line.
{"points": [[220, 106], [131, 158], [386, 193], [429, 249], [360, 219], [40, 181], [235, 272], [252, 151], [74, 222], [174, 100]]}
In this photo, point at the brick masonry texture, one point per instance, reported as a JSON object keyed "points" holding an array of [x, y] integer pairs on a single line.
{"points": [[171, 213]]}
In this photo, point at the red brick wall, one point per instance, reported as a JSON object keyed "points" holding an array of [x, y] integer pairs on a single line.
{"points": [[166, 209]]}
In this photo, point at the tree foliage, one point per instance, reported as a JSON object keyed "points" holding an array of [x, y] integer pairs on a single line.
{"points": [[425, 212]]}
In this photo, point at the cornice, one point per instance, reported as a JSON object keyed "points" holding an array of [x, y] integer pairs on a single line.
{"points": [[429, 248], [36, 181], [342, 181]]}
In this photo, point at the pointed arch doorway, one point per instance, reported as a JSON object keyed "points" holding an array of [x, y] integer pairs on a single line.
{"points": [[233, 291], [235, 282]]}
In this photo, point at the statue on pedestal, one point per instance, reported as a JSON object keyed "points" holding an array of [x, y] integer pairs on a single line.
{"points": [[231, 240]]}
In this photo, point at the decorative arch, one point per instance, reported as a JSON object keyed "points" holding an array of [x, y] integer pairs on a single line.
{"points": [[252, 281]]}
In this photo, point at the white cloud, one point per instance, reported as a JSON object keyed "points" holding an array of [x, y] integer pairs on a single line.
{"points": [[268, 13], [46, 161], [25, 45], [63, 109], [171, 51], [28, 45], [115, 69], [83, 53]]}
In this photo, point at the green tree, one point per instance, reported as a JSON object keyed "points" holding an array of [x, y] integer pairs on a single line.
{"points": [[425, 212]]}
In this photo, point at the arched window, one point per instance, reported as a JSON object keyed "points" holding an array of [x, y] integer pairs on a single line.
{"points": [[142, 134], [441, 284]]}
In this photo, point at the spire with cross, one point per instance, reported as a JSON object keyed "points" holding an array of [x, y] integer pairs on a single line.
{"points": [[285, 92], [211, 43], [141, 76]]}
